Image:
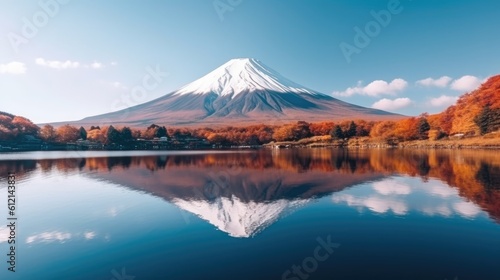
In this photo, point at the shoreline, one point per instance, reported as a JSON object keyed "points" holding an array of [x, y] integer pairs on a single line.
{"points": [[476, 143]]}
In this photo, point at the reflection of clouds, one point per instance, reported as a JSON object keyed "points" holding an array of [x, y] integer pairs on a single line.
{"points": [[4, 234], [376, 204], [442, 210], [58, 236], [467, 209], [113, 211], [442, 191], [89, 235], [47, 237], [381, 205], [388, 187], [401, 195]]}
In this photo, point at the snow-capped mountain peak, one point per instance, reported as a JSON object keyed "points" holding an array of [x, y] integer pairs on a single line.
{"points": [[242, 75]]}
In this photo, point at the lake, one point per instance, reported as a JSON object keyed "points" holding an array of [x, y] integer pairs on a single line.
{"points": [[260, 214]]}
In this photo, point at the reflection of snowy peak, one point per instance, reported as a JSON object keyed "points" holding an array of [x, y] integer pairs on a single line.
{"points": [[237, 218]]}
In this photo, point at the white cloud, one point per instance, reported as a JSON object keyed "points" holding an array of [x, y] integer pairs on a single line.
{"points": [[68, 64], [388, 187], [440, 82], [375, 88], [48, 237], [466, 83], [388, 104], [443, 101], [96, 65], [13, 68]]}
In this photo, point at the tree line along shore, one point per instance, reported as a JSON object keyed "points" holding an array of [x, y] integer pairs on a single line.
{"points": [[472, 122]]}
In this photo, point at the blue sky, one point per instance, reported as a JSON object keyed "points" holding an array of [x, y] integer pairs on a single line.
{"points": [[84, 57]]}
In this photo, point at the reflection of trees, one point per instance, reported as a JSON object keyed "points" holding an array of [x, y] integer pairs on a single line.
{"points": [[21, 168], [476, 174], [489, 176]]}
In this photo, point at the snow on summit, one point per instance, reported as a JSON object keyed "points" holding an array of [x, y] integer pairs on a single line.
{"points": [[242, 75]]}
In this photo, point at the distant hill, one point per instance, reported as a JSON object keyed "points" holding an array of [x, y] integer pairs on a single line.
{"points": [[476, 112]]}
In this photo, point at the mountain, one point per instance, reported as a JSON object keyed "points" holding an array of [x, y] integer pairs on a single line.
{"points": [[241, 91]]}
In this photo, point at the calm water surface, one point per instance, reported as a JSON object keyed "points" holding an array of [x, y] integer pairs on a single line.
{"points": [[286, 214]]}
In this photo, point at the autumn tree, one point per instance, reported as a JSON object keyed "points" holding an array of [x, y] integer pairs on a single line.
{"points": [[25, 126], [47, 133], [284, 133], [383, 130], [96, 135], [321, 129], [67, 133], [216, 138]]}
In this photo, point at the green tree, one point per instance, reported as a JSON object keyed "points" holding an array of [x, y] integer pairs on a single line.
{"points": [[113, 136], [351, 131], [337, 132], [83, 133], [126, 134], [161, 132], [488, 120], [423, 128]]}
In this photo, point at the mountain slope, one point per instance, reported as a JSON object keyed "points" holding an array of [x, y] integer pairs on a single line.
{"points": [[242, 91]]}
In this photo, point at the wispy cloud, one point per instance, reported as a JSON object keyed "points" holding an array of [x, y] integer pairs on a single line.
{"points": [[56, 64], [14, 67], [388, 104], [375, 88], [442, 82], [443, 101], [96, 65], [68, 64]]}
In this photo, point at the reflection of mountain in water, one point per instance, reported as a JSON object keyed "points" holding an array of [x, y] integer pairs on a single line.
{"points": [[232, 192], [242, 193], [238, 218]]}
